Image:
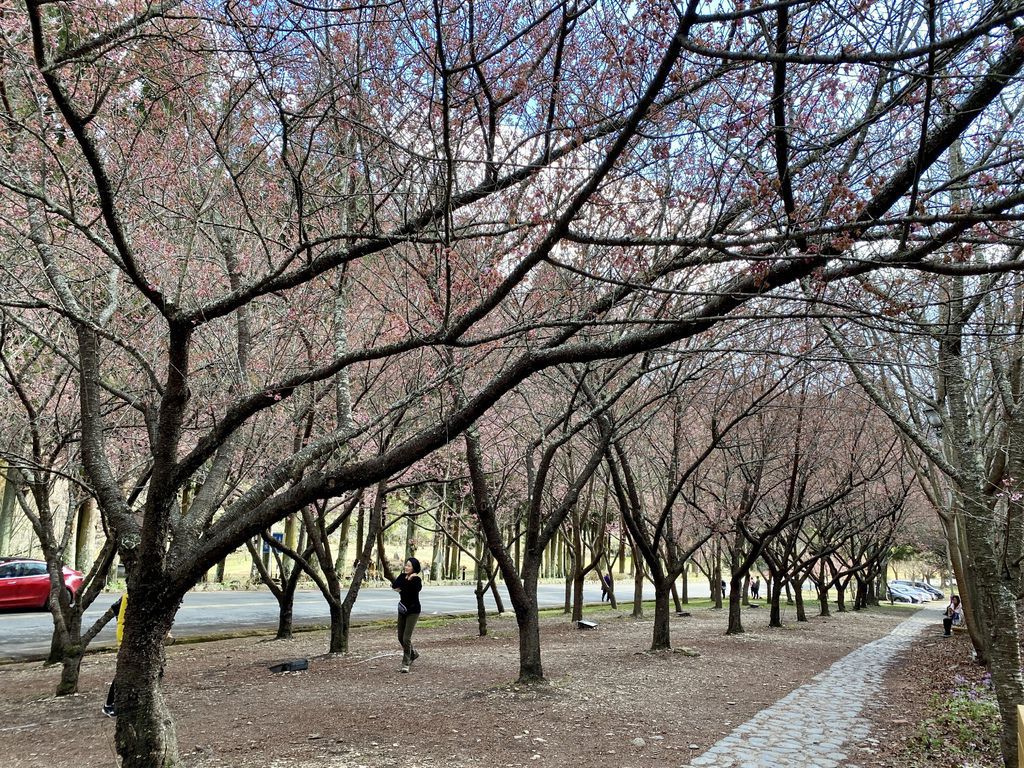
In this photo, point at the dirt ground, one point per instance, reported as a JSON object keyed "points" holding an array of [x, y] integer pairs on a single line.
{"points": [[609, 702]]}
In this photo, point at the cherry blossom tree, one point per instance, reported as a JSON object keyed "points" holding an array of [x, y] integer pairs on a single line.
{"points": [[48, 486], [358, 190]]}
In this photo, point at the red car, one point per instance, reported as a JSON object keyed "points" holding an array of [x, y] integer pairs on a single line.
{"points": [[25, 583]]}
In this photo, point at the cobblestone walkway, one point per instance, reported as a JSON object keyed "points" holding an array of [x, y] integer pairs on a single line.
{"points": [[819, 724]]}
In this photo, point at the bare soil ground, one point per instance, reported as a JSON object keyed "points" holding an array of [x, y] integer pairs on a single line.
{"points": [[609, 702]]}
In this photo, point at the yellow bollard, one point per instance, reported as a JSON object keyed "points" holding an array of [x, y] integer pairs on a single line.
{"points": [[1020, 736]]}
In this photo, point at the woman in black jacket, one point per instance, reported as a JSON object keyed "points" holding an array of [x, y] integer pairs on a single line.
{"points": [[408, 586]]}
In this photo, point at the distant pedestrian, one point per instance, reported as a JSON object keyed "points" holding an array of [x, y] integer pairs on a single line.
{"points": [[606, 587], [408, 586], [463, 573], [755, 588], [723, 589]]}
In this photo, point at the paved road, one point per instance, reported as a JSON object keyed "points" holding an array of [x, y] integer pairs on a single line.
{"points": [[819, 725], [25, 634]]}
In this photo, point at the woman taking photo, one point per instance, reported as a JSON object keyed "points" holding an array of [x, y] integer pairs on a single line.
{"points": [[408, 586]]}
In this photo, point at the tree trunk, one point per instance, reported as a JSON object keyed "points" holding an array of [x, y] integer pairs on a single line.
{"points": [[716, 574], [1006, 678], [517, 549], [11, 478], [361, 531], [410, 537], [341, 564], [145, 732], [577, 594], [338, 642], [871, 597], [860, 598], [952, 530], [735, 612], [611, 587], [997, 587], [291, 540], [530, 668], [675, 597], [823, 600], [481, 588], [638, 586], [840, 598], [455, 553], [70, 670], [662, 635], [775, 619], [528, 619], [481, 608], [798, 592], [567, 601], [56, 648], [499, 604], [85, 526], [285, 608]]}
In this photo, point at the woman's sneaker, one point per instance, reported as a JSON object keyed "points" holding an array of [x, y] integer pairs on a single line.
{"points": [[405, 668]]}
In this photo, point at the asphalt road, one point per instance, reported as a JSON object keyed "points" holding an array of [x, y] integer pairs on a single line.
{"points": [[27, 634]]}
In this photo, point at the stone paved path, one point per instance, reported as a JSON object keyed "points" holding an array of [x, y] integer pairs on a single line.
{"points": [[819, 724]]}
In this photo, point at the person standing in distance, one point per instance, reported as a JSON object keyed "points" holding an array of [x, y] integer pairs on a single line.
{"points": [[408, 586]]}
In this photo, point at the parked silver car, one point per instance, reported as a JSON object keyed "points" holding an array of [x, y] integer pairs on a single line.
{"points": [[920, 586], [900, 593]]}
